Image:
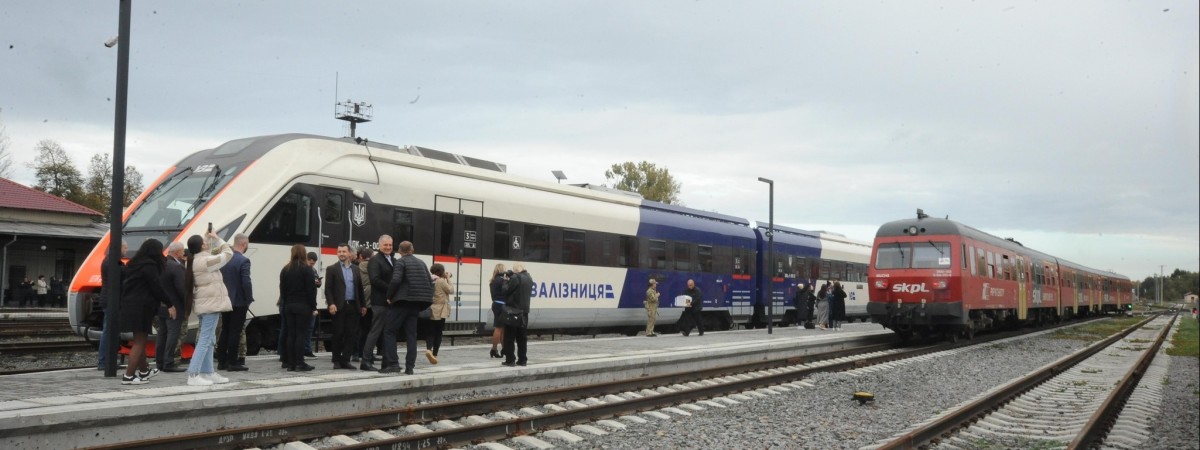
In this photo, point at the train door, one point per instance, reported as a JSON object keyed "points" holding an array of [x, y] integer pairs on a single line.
{"points": [[1022, 307], [457, 247]]}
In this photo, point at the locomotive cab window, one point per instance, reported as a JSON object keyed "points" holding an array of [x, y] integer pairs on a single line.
{"points": [[287, 222], [915, 255]]}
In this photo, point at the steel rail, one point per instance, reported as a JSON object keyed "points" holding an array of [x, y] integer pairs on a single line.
{"points": [[276, 433], [24, 348], [270, 434], [952, 421], [1094, 431]]}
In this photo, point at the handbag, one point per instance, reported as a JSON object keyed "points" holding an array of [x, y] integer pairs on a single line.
{"points": [[513, 317], [425, 314]]}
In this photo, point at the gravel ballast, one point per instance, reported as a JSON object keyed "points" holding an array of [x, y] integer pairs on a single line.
{"points": [[826, 417]]}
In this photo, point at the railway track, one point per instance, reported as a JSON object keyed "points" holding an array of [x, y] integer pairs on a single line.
{"points": [[25, 348], [1069, 403], [439, 425]]}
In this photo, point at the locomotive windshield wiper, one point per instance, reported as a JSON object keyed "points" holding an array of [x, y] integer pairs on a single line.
{"points": [[161, 191], [935, 247], [213, 180]]}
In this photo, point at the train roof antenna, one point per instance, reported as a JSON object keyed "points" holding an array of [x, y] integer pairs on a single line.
{"points": [[921, 214]]}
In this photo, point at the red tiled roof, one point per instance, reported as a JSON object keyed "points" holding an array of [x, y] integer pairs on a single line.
{"points": [[17, 195]]}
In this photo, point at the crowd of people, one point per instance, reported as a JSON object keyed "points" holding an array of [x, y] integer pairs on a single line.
{"points": [[40, 293], [826, 309], [371, 297]]}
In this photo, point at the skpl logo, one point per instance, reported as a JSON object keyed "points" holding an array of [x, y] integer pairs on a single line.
{"points": [[909, 288]]}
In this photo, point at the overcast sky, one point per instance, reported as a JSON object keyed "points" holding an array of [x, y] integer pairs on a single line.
{"points": [[1068, 125]]}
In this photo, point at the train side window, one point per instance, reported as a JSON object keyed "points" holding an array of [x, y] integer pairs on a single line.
{"points": [[402, 226], [287, 222], [682, 256], [331, 212], [991, 265], [629, 251], [1004, 267], [537, 243], [501, 242], [446, 239], [982, 256], [657, 252], [964, 256], [971, 250], [704, 255], [825, 267], [573, 250]]}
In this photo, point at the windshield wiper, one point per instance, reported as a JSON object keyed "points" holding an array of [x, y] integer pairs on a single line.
{"points": [[208, 188], [935, 247], [164, 189]]}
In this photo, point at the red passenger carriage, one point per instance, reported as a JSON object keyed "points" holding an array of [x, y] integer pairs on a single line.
{"points": [[939, 276]]}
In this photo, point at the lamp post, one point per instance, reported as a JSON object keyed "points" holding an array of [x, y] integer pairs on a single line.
{"points": [[113, 289], [770, 256]]}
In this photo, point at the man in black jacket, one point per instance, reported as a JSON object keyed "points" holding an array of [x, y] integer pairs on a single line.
{"points": [[517, 291], [345, 301], [236, 275], [171, 318], [692, 311], [379, 270], [410, 292]]}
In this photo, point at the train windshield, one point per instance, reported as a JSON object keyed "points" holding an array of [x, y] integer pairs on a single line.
{"points": [[913, 255], [174, 202]]}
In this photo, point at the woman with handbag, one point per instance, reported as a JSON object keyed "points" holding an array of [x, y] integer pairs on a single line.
{"points": [[439, 311], [204, 289]]}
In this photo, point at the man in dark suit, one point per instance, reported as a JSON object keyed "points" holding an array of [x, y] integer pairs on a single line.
{"points": [[692, 310], [171, 318], [379, 270], [346, 303], [236, 275]]}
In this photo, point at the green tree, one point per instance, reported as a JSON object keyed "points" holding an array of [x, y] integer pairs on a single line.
{"points": [[98, 188], [133, 184], [1174, 286], [56, 173], [645, 178]]}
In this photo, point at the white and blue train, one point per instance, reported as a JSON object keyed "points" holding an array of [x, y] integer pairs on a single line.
{"points": [[591, 250]]}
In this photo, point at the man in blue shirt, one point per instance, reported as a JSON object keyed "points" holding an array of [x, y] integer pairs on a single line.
{"points": [[346, 303]]}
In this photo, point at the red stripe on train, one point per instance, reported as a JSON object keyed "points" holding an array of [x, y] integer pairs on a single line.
{"points": [[454, 260]]}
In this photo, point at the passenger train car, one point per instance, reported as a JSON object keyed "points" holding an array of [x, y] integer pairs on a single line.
{"points": [[591, 250], [939, 276]]}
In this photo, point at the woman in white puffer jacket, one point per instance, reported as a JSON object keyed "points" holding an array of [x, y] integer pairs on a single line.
{"points": [[207, 297]]}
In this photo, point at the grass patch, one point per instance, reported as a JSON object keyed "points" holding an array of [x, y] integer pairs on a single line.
{"points": [[1096, 330], [1092, 370], [1079, 383], [1187, 339]]}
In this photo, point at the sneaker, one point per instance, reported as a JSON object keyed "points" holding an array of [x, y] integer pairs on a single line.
{"points": [[132, 379], [429, 355], [198, 380], [215, 378], [148, 374]]}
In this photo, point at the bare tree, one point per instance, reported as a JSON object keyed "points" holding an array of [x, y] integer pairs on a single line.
{"points": [[133, 184], [6, 160]]}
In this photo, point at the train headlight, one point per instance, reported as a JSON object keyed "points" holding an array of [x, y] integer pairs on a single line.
{"points": [[940, 284], [880, 284], [912, 230]]}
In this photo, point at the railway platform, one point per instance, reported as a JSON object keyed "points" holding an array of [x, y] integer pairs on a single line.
{"points": [[78, 408]]}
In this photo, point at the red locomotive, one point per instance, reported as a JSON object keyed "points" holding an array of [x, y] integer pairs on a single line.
{"points": [[937, 276]]}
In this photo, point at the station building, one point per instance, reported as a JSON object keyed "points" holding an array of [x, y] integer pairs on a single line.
{"points": [[42, 234]]}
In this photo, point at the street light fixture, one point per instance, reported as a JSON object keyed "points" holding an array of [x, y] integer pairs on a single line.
{"points": [[770, 256]]}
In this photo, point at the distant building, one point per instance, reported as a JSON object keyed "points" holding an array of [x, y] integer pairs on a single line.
{"points": [[1190, 299], [42, 234]]}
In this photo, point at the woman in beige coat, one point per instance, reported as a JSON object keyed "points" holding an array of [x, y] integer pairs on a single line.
{"points": [[439, 311], [204, 289]]}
